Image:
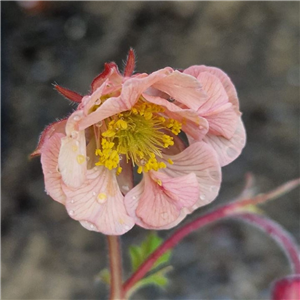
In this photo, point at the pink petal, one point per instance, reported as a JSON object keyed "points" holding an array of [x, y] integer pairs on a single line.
{"points": [[223, 123], [110, 72], [68, 93], [88, 102], [131, 91], [159, 205], [49, 131], [72, 161], [200, 159], [228, 149], [192, 123], [49, 160], [130, 63], [183, 88], [99, 204], [227, 84], [216, 94]]}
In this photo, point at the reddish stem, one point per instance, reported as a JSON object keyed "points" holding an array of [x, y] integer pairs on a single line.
{"points": [[115, 261], [232, 209], [171, 242], [279, 234]]}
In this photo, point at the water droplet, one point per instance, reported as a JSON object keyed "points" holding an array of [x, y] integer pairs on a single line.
{"points": [[133, 197], [170, 99], [201, 127], [94, 193], [126, 227], [101, 198], [202, 197], [74, 134], [125, 187], [71, 212], [87, 158], [98, 101], [57, 169], [99, 124], [95, 168], [213, 188], [92, 226], [231, 152], [164, 215], [72, 201], [214, 175], [120, 157], [76, 118], [80, 159]]}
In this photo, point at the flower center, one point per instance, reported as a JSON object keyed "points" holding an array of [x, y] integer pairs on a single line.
{"points": [[138, 134]]}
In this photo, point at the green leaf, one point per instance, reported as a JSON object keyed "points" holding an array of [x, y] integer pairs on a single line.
{"points": [[104, 276], [139, 254], [158, 278]]}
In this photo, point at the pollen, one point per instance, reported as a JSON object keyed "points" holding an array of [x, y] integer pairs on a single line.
{"points": [[139, 135], [80, 159], [101, 198]]}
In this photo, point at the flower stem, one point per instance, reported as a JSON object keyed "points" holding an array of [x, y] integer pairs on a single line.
{"points": [[115, 261], [236, 209]]}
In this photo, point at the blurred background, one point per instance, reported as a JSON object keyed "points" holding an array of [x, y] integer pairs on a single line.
{"points": [[46, 254]]}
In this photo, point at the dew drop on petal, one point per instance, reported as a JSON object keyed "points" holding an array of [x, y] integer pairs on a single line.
{"points": [[74, 134], [133, 197], [92, 226], [94, 193], [231, 152], [214, 175], [80, 159], [98, 101], [201, 127], [72, 201], [213, 188], [87, 158], [99, 124], [125, 187], [71, 212], [76, 118], [202, 197], [164, 215]]}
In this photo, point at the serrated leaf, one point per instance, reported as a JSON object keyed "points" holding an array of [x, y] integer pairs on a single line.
{"points": [[135, 256], [139, 254], [158, 279], [104, 276]]}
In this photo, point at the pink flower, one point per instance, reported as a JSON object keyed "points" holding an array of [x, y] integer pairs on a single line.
{"points": [[128, 125], [226, 132]]}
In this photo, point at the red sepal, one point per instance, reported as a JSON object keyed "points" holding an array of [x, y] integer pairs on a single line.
{"points": [[68, 93], [130, 63], [287, 288], [102, 77]]}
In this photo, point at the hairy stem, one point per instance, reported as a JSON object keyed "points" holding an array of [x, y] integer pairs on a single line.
{"points": [[115, 261], [236, 209]]}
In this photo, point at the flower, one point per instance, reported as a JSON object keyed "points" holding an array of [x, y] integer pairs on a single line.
{"points": [[226, 132], [131, 125]]}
